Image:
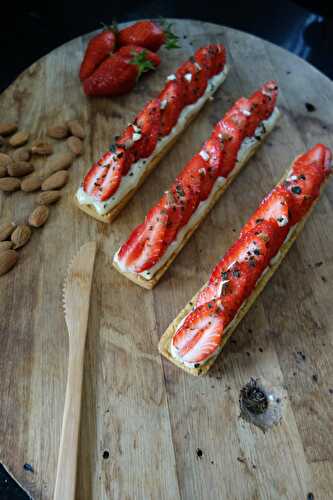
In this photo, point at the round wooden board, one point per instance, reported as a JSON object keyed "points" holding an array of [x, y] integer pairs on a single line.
{"points": [[149, 415]]}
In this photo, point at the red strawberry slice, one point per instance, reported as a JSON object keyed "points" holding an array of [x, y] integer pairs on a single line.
{"points": [[193, 80], [308, 172], [263, 101], [274, 206], [235, 275], [174, 216], [140, 138], [230, 131], [201, 333], [171, 102], [145, 245], [104, 177], [212, 58], [186, 189]]}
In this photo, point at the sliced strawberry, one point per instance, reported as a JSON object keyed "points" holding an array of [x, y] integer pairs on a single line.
{"points": [[193, 80], [308, 172], [171, 102], [263, 101], [274, 206], [145, 245], [104, 177], [140, 138], [187, 189], [200, 335], [230, 131], [235, 275], [212, 58], [174, 216]]}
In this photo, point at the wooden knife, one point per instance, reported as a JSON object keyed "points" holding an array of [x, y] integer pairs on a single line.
{"points": [[76, 300]]}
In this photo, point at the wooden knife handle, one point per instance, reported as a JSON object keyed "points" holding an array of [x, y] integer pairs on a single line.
{"points": [[67, 460]]}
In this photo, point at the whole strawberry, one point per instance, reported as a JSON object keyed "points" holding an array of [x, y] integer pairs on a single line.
{"points": [[118, 74], [98, 49], [149, 35]]}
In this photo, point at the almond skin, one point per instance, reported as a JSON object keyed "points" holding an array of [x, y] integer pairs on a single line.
{"points": [[6, 230], [41, 148], [20, 168], [7, 128], [6, 245], [3, 172], [39, 216], [48, 197], [76, 129], [21, 235], [58, 131], [5, 160], [19, 139], [31, 183], [21, 154], [8, 259], [55, 181], [9, 184], [75, 145]]}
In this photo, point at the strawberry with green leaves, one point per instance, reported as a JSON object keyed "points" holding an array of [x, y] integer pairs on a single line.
{"points": [[149, 35], [118, 74]]}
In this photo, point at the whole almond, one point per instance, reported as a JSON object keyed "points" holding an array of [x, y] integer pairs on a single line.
{"points": [[6, 230], [20, 168], [9, 184], [48, 197], [21, 235], [55, 181], [75, 145], [7, 128], [6, 245], [3, 172], [8, 259], [41, 148], [39, 216], [31, 183], [4, 160], [19, 139], [58, 131], [21, 154], [76, 129], [60, 161]]}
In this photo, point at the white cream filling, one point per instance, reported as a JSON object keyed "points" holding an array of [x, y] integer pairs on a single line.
{"points": [[245, 151], [129, 181]]}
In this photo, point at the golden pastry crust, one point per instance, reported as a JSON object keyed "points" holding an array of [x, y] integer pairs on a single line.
{"points": [[165, 341], [149, 284]]}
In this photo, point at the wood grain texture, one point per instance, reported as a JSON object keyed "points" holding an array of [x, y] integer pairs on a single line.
{"points": [[149, 415]]}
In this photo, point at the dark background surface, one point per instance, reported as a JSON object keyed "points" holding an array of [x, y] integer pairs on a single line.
{"points": [[33, 29], [37, 27]]}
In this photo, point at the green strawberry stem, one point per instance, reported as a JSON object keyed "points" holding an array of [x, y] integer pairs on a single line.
{"points": [[110, 27], [143, 64], [171, 39]]}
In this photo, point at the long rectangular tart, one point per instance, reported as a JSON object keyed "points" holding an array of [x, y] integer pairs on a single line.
{"points": [[154, 244], [198, 334], [118, 174]]}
